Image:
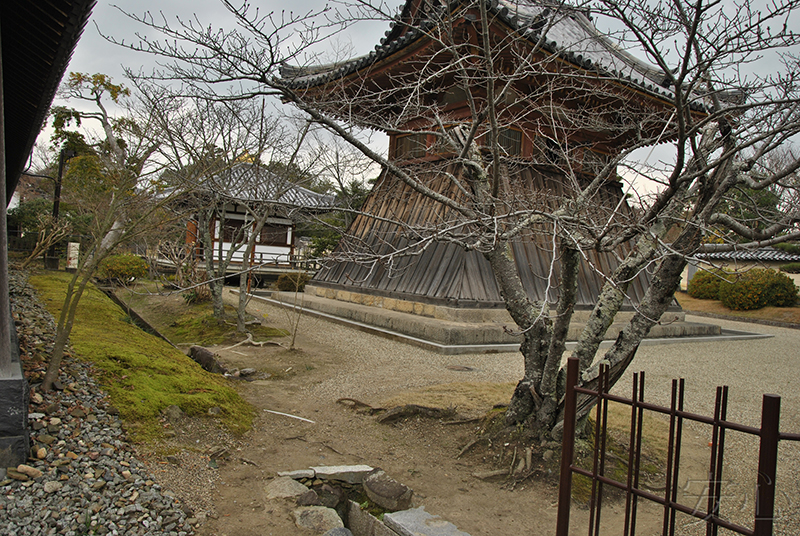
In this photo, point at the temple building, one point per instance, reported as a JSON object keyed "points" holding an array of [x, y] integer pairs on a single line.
{"points": [[564, 101]]}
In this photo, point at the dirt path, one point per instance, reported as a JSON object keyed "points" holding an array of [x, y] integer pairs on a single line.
{"points": [[331, 362]]}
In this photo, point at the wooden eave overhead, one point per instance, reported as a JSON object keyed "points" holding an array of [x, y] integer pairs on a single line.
{"points": [[38, 38]]}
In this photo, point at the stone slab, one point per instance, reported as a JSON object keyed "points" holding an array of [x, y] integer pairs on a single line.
{"points": [[457, 337], [418, 522], [284, 488], [352, 474], [362, 523], [299, 474], [14, 438]]}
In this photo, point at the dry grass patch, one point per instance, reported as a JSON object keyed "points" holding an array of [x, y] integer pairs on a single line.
{"points": [[468, 398]]}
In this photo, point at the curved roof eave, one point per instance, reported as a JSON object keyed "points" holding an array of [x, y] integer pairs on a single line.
{"points": [[630, 72]]}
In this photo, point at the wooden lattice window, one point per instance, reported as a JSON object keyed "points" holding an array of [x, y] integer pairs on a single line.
{"points": [[231, 231], [411, 146], [510, 141], [274, 235]]}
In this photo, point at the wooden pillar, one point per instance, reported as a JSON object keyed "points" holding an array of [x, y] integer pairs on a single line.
{"points": [[5, 310]]}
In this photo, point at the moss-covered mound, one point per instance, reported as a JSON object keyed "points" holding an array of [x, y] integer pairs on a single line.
{"points": [[141, 373]]}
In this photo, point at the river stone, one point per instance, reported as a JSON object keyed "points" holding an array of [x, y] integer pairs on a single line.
{"points": [[173, 413], [52, 486], [317, 518], [284, 487], [32, 472], [387, 492]]}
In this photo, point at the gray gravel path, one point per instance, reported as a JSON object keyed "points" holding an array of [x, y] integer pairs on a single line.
{"points": [[750, 368]]}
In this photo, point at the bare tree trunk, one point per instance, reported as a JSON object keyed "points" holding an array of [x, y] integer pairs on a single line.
{"points": [[65, 322], [533, 319], [215, 284]]}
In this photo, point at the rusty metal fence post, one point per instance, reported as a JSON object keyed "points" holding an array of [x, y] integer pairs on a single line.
{"points": [[567, 449], [767, 464]]}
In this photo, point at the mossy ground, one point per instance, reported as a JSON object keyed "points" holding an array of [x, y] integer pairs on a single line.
{"points": [[186, 324], [141, 373]]}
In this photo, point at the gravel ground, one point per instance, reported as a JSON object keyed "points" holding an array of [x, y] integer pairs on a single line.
{"points": [[750, 368], [105, 487], [82, 476]]}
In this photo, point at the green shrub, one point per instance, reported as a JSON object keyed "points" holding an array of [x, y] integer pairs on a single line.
{"points": [[123, 267], [291, 282], [791, 268], [705, 284], [758, 288]]}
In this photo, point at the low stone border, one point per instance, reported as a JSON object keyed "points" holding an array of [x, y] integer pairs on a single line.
{"points": [[321, 494], [775, 323]]}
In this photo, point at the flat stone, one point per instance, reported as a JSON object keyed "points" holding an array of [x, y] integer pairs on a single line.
{"points": [[363, 523], [352, 474], [247, 372], [46, 439], [317, 518], [36, 416], [338, 531], [418, 522], [16, 475], [32, 472], [298, 475], [284, 488], [387, 492]]}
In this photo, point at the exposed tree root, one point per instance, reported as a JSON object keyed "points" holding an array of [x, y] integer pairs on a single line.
{"points": [[249, 340], [409, 410]]}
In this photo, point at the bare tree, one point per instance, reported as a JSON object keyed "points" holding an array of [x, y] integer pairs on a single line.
{"points": [[460, 86], [109, 183], [221, 156]]}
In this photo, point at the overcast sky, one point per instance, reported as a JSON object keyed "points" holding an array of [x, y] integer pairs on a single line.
{"points": [[96, 55]]}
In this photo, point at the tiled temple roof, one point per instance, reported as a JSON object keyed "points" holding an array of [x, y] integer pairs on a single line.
{"points": [[569, 33], [751, 255]]}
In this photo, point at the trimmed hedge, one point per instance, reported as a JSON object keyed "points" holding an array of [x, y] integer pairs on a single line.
{"points": [[758, 288], [123, 267], [791, 268], [705, 284], [292, 282]]}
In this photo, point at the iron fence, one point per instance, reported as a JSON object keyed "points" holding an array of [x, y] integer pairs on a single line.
{"points": [[769, 436]]}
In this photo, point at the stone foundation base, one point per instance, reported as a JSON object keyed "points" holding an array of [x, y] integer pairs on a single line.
{"points": [[14, 440], [452, 327]]}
